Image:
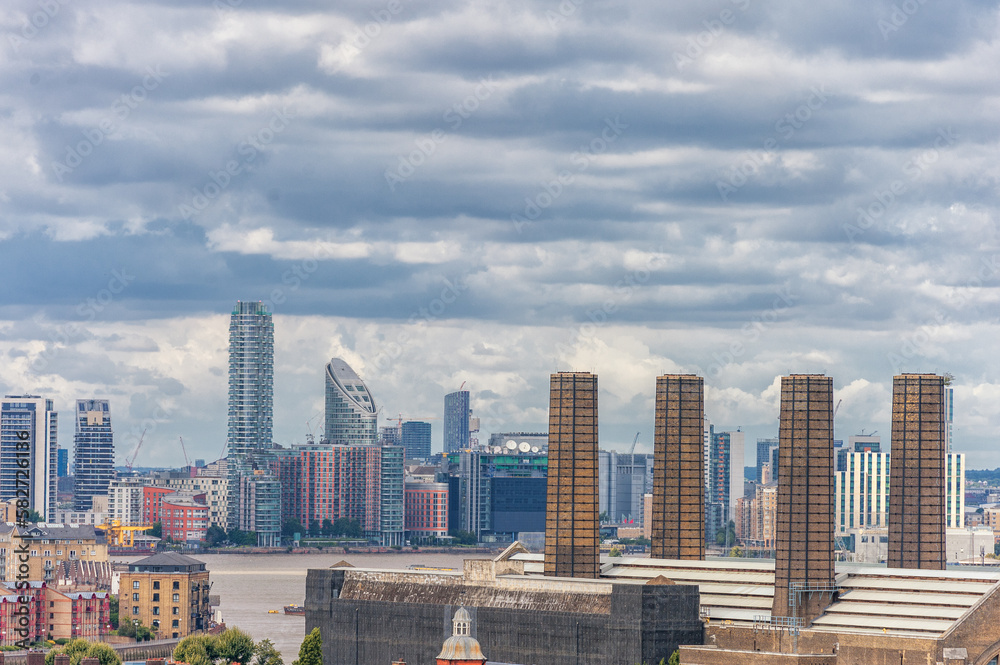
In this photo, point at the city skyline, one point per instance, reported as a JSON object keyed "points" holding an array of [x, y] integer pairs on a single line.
{"points": [[491, 193]]}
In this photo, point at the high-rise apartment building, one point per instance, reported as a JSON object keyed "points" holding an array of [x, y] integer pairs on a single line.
{"points": [[456, 421], [764, 449], [803, 567], [125, 501], [93, 452], [251, 410], [679, 480], [62, 463], [571, 524], [623, 479], [392, 518], [28, 431], [917, 488], [717, 508], [416, 439], [351, 415]]}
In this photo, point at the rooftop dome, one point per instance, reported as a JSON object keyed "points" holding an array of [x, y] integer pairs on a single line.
{"points": [[461, 645]]}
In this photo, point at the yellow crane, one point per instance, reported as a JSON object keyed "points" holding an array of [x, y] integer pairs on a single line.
{"points": [[121, 536]]}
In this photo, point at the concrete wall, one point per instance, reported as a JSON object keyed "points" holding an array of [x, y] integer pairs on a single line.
{"points": [[645, 623]]}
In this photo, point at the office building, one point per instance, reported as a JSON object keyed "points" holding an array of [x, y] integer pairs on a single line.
{"points": [[62, 463], [764, 450], [125, 501], [259, 505], [251, 410], [28, 431], [803, 569], [862, 492], [954, 490], [93, 452], [416, 439], [623, 479], [351, 414], [456, 421], [519, 442], [917, 488], [679, 478], [571, 524], [426, 510]]}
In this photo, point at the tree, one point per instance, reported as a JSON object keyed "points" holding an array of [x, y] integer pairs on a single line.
{"points": [[196, 650], [465, 537], [291, 527], [314, 528], [327, 529], [265, 653], [215, 535], [79, 649], [675, 658], [33, 516], [235, 646], [238, 537], [157, 530], [113, 604], [311, 651]]}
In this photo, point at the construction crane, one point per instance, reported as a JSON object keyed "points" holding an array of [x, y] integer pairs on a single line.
{"points": [[121, 536], [401, 418], [187, 462], [837, 408], [634, 441], [311, 436], [135, 453]]}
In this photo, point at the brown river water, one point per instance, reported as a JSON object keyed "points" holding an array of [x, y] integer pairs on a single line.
{"points": [[251, 584]]}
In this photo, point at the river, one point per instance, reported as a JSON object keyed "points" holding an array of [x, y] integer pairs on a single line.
{"points": [[249, 585]]}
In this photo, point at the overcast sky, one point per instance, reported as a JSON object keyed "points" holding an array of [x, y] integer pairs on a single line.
{"points": [[451, 191]]}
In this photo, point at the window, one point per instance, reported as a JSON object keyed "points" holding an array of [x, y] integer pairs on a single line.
{"points": [[52, 603], [176, 635], [135, 584], [177, 585], [156, 597], [135, 596], [156, 610], [177, 610], [135, 610], [58, 552], [177, 598], [156, 624], [48, 552], [156, 585]]}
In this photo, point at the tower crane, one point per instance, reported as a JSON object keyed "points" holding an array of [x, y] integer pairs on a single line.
{"points": [[187, 462], [634, 441], [135, 453]]}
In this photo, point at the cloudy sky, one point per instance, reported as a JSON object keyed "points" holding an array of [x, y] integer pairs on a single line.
{"points": [[446, 192]]}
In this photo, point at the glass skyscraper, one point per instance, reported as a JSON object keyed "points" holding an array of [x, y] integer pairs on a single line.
{"points": [[93, 452], [456, 421], [251, 409], [351, 416], [417, 439], [28, 430]]}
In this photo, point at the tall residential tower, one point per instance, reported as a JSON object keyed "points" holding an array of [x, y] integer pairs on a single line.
{"points": [[456, 421], [93, 452], [28, 429], [351, 416]]}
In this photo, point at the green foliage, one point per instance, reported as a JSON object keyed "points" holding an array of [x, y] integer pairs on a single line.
{"points": [[314, 528], [311, 651], [465, 537], [113, 603], [615, 552], [235, 646], [238, 537], [996, 550], [62, 640], [196, 650], [736, 551], [291, 527], [265, 653], [215, 535], [157, 530], [347, 528], [132, 629], [327, 528], [675, 658], [79, 649]]}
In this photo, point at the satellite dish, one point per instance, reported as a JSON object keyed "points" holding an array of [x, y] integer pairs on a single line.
{"points": [[534, 449], [524, 446], [497, 450], [511, 445]]}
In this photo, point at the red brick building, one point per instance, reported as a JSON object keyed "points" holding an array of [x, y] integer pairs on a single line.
{"points": [[52, 614], [152, 501], [184, 518], [426, 510], [327, 482]]}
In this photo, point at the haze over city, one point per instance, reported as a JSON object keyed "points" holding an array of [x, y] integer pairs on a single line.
{"points": [[454, 192]]}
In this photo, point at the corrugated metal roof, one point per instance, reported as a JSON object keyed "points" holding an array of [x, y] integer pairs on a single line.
{"points": [[895, 609], [903, 597], [918, 586], [878, 623]]}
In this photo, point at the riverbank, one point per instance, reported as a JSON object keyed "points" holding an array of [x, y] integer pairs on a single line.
{"points": [[332, 549]]}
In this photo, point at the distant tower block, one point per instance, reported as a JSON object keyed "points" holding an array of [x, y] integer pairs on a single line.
{"points": [[803, 567], [678, 468], [916, 475], [571, 526]]}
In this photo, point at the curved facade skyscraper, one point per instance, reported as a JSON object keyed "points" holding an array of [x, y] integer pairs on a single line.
{"points": [[251, 378], [351, 414]]}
